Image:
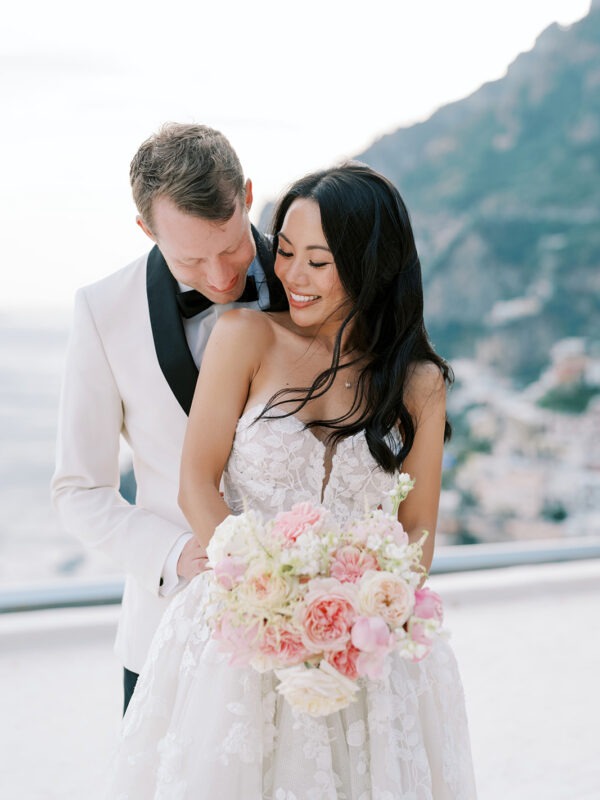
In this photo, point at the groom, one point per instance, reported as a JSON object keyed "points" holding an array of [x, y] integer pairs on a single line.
{"points": [[135, 348]]}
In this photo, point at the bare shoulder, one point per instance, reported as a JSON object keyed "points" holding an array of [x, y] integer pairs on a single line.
{"points": [[245, 336], [425, 388], [243, 324]]}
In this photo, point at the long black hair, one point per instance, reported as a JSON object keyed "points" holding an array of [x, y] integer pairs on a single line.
{"points": [[369, 233]]}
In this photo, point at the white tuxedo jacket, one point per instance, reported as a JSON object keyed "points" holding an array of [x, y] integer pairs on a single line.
{"points": [[129, 372]]}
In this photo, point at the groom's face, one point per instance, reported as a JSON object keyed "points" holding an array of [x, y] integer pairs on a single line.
{"points": [[212, 257]]}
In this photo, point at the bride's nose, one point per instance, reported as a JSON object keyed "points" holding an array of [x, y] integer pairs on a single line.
{"points": [[295, 272]]}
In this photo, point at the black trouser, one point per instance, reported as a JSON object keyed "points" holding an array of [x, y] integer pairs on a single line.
{"points": [[129, 682]]}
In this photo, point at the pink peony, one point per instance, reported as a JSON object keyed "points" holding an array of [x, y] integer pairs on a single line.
{"points": [[371, 665], [371, 634], [345, 660], [229, 571], [239, 640], [350, 563], [417, 632], [428, 605], [372, 637], [283, 645], [292, 524], [326, 615]]}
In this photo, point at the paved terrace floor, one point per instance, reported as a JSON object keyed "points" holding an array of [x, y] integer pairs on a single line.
{"points": [[527, 640]]}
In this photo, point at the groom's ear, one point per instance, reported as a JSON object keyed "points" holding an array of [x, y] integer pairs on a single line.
{"points": [[248, 200], [140, 223]]}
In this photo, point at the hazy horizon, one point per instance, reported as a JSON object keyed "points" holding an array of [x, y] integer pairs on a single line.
{"points": [[295, 92]]}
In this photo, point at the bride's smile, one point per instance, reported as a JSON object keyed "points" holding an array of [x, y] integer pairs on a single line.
{"points": [[306, 267]]}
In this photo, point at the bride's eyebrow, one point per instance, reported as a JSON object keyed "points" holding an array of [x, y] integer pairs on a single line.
{"points": [[309, 247]]}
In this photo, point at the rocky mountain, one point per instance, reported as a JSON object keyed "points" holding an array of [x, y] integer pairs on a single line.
{"points": [[504, 192], [503, 188]]}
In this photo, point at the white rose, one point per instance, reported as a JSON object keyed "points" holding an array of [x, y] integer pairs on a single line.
{"points": [[316, 692], [235, 536]]}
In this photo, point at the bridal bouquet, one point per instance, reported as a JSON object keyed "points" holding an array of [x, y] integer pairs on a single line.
{"points": [[320, 603]]}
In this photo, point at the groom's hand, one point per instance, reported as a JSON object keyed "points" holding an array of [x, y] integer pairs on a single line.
{"points": [[192, 560]]}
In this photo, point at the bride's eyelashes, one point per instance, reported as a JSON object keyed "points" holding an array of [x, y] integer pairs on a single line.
{"points": [[285, 254]]}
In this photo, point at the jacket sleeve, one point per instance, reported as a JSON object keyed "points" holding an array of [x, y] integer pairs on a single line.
{"points": [[85, 483]]}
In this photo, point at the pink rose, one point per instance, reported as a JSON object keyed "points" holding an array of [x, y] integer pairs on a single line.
{"points": [[284, 646], [301, 517], [344, 660], [229, 571], [326, 615], [428, 605], [350, 563]]}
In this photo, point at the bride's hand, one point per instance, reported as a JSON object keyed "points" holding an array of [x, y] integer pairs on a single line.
{"points": [[193, 560]]}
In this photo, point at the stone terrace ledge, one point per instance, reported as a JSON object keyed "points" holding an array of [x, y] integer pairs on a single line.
{"points": [[527, 639]]}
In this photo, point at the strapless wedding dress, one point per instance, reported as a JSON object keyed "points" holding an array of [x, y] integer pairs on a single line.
{"points": [[198, 729]]}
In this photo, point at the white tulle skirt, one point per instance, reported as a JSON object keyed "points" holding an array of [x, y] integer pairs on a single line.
{"points": [[198, 729]]}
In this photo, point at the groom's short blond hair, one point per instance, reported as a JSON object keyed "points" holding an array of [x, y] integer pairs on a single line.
{"points": [[194, 166]]}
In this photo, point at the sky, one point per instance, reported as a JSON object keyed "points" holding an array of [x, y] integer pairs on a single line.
{"points": [[294, 86]]}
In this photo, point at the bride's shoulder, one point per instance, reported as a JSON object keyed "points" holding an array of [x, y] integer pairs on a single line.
{"points": [[425, 386], [248, 329]]}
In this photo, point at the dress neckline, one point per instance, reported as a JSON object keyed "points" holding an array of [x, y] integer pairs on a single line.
{"points": [[256, 408], [330, 454]]}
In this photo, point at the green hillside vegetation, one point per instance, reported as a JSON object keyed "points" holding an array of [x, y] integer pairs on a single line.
{"points": [[504, 193]]}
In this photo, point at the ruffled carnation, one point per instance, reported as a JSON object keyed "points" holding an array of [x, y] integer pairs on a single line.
{"points": [[350, 563], [302, 517]]}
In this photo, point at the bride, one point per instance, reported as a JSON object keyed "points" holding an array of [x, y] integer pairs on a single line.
{"points": [[324, 403]]}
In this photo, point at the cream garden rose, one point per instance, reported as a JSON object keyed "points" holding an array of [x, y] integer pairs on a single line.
{"points": [[266, 589], [386, 595]]}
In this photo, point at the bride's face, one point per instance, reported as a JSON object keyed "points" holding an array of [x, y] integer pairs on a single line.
{"points": [[305, 266]]}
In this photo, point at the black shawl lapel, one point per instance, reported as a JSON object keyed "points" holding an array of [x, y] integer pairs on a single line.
{"points": [[264, 250], [171, 346]]}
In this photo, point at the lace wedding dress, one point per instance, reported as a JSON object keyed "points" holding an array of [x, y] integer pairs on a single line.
{"points": [[198, 729]]}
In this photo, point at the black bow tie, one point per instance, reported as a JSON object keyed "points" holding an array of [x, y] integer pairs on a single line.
{"points": [[192, 302]]}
